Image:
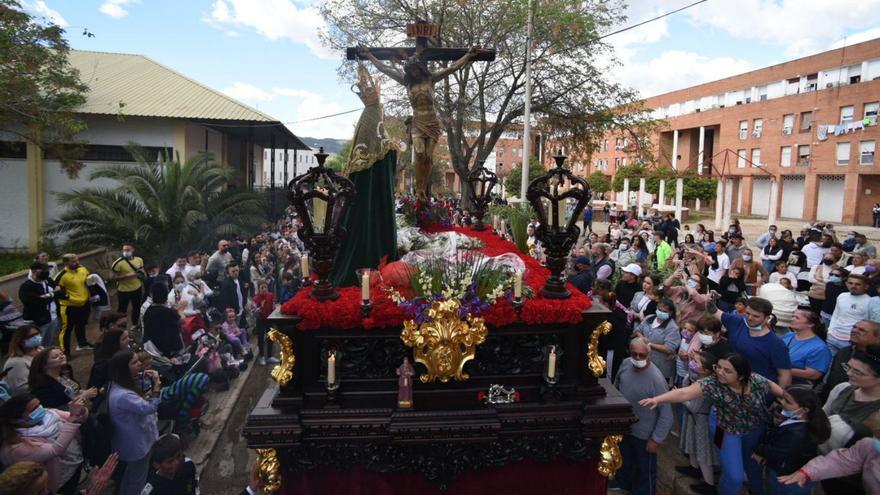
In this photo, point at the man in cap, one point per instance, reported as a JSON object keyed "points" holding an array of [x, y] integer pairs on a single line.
{"points": [[581, 278], [629, 283]]}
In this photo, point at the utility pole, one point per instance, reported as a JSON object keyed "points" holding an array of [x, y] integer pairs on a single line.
{"points": [[527, 127]]}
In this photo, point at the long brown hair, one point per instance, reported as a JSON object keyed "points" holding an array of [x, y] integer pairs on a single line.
{"points": [[16, 343], [118, 370], [819, 426], [37, 376]]}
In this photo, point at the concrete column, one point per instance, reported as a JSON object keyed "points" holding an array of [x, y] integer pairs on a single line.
{"points": [[746, 184], [700, 159], [679, 191], [641, 194], [675, 149], [662, 193], [719, 205], [625, 194], [811, 197], [35, 195], [774, 201], [728, 202]]}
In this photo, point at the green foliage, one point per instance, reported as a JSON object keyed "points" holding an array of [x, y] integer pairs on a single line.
{"points": [[39, 91], [513, 181], [452, 278], [166, 208], [652, 184], [599, 182], [337, 162], [701, 188], [517, 218], [632, 172], [14, 262]]}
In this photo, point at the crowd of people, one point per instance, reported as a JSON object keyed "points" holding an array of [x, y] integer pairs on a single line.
{"points": [[176, 333], [762, 357]]}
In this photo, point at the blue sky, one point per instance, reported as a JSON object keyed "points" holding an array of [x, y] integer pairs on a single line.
{"points": [[267, 53]]}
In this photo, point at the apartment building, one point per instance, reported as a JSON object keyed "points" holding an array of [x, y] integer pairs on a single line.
{"points": [[808, 125]]}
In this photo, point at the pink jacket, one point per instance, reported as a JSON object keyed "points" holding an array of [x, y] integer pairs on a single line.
{"points": [[40, 450], [861, 457]]}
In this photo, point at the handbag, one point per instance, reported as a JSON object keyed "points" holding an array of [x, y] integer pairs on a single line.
{"points": [[139, 272]]}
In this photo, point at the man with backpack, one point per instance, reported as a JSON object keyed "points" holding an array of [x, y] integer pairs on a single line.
{"points": [[128, 273]]}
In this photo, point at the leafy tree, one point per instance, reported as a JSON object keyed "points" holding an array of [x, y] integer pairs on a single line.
{"points": [[652, 184], [702, 188], [572, 94], [513, 181], [337, 163], [632, 172], [599, 182], [165, 207], [39, 90]]}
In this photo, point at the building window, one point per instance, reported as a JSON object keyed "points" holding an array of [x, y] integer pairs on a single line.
{"points": [[806, 121], [787, 123], [866, 152], [758, 128], [812, 82], [756, 157], [743, 129], [846, 114], [785, 156], [871, 111], [618, 144], [762, 93], [617, 162], [623, 162], [605, 145], [741, 158], [843, 153], [803, 155]]}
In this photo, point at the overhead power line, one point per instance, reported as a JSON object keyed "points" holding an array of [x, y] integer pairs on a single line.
{"points": [[627, 28]]}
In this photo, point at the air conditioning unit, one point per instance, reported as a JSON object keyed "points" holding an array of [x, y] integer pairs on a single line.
{"points": [[829, 85], [786, 131], [756, 133]]}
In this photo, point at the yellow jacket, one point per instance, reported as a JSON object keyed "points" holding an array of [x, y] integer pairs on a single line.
{"points": [[74, 284]]}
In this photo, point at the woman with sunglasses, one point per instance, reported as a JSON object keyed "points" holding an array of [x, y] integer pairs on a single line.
{"points": [[740, 399]]}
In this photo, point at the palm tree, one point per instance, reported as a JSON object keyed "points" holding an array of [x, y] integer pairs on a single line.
{"points": [[164, 207]]}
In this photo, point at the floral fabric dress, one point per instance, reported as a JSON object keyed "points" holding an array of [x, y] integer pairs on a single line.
{"points": [[738, 414]]}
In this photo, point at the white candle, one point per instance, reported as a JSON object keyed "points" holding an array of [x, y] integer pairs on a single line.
{"points": [[304, 265], [517, 285], [331, 368], [503, 227], [319, 213], [365, 286], [551, 363]]}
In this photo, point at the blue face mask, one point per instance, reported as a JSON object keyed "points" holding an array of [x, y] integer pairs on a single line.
{"points": [[662, 315], [788, 414], [834, 279], [37, 415], [32, 342], [692, 283]]}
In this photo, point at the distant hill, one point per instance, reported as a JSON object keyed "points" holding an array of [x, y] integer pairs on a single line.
{"points": [[331, 146]]}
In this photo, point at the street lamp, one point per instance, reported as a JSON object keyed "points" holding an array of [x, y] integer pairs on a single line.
{"points": [[481, 181]]}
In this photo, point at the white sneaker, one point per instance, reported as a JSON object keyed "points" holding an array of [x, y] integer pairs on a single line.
{"points": [[262, 361], [86, 347], [273, 360]]}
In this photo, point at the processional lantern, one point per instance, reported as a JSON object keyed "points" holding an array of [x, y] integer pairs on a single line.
{"points": [[549, 195], [322, 198], [481, 181]]}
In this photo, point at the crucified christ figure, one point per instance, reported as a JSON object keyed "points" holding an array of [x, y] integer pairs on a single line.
{"points": [[425, 129]]}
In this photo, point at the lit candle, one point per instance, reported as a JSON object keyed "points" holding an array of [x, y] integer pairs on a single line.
{"points": [[365, 285], [319, 212], [331, 368], [551, 363], [517, 285], [304, 265]]}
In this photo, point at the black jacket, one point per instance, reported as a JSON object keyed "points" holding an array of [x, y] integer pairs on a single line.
{"points": [[787, 448], [35, 307], [52, 394], [162, 328], [228, 297]]}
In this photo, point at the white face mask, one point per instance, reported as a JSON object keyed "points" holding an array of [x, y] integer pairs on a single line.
{"points": [[706, 339], [640, 363]]}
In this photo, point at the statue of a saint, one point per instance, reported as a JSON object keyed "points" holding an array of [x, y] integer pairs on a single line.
{"points": [[405, 372], [425, 130]]}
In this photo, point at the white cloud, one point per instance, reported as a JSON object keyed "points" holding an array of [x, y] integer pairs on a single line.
{"points": [[801, 27], [297, 105], [116, 8], [247, 92], [273, 19], [40, 8], [676, 69], [860, 37]]}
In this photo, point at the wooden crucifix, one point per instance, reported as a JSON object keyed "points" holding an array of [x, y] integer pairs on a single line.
{"points": [[424, 128]]}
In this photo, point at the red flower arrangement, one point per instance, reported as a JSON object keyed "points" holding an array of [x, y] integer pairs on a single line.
{"points": [[345, 312]]}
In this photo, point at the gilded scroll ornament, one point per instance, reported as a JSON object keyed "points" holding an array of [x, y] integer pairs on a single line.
{"points": [[609, 456], [283, 372], [445, 342], [269, 470], [595, 361]]}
